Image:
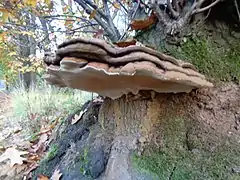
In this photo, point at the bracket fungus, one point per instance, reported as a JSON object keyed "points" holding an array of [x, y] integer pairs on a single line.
{"points": [[94, 65]]}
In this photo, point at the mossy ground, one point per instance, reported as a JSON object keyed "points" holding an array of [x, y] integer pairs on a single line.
{"points": [[176, 161]]}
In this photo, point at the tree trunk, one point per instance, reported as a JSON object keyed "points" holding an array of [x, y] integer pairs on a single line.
{"points": [[135, 123], [27, 48]]}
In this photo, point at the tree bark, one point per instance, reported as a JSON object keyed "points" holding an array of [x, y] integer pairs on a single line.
{"points": [[136, 122]]}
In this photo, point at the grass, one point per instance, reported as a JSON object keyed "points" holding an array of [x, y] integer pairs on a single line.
{"points": [[44, 104]]}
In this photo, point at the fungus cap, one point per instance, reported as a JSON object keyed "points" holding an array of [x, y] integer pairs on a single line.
{"points": [[122, 73]]}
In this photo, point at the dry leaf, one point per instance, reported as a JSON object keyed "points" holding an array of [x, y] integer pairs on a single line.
{"points": [[14, 155], [56, 175], [32, 167], [126, 43], [116, 5], [43, 138], [42, 177], [93, 14]]}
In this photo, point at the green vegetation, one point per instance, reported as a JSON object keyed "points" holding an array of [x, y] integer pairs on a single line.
{"points": [[53, 150], [176, 161], [212, 58], [84, 162], [45, 104], [190, 165]]}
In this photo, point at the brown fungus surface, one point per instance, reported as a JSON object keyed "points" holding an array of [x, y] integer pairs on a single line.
{"points": [[95, 66]]}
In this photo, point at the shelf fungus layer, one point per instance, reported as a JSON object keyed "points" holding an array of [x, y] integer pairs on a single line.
{"points": [[95, 66]]}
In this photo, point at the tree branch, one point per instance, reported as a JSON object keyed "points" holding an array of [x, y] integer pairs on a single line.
{"points": [[237, 9], [62, 15], [173, 12], [206, 8], [159, 13], [104, 25], [133, 16], [176, 5], [125, 9], [94, 6], [109, 19]]}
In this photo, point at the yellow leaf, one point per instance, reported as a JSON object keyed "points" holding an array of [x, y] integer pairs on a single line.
{"points": [[93, 14], [5, 14], [69, 22], [47, 2], [3, 36], [12, 54], [31, 2], [116, 5], [27, 33]]}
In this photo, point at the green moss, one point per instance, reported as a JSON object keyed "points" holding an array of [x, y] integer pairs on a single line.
{"points": [[176, 161], [52, 152], [191, 165], [212, 58]]}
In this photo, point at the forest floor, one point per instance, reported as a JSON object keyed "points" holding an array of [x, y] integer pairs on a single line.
{"points": [[11, 136], [27, 123]]}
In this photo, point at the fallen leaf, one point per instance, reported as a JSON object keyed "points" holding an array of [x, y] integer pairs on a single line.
{"points": [[43, 138], [56, 175], [42, 177], [143, 24], [14, 155], [30, 169]]}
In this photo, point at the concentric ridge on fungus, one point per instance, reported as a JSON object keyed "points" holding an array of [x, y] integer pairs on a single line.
{"points": [[95, 66]]}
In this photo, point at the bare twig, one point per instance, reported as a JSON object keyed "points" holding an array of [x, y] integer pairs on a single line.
{"points": [[109, 19], [99, 20], [133, 16], [125, 9], [206, 8], [237, 9], [94, 6]]}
